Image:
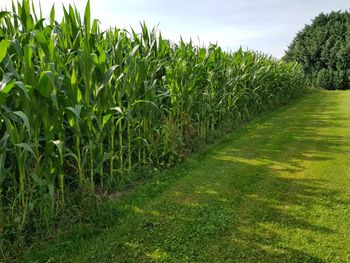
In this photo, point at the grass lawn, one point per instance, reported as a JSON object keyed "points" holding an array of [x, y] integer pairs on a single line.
{"points": [[276, 190]]}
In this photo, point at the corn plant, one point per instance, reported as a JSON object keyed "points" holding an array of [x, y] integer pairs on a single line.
{"points": [[81, 109]]}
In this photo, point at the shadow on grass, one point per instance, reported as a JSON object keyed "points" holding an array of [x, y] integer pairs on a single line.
{"points": [[256, 191], [246, 199]]}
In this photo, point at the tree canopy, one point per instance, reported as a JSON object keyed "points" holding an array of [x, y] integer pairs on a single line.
{"points": [[323, 49]]}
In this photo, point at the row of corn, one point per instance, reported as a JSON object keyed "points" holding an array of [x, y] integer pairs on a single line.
{"points": [[81, 108]]}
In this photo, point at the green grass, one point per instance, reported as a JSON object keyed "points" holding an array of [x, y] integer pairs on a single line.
{"points": [[276, 190]]}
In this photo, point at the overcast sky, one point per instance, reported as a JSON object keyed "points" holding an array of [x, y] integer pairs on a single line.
{"points": [[263, 25]]}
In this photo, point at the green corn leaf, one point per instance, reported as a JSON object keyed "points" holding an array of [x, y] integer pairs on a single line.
{"points": [[4, 14], [87, 18], [70, 154], [106, 119], [26, 147], [144, 101], [4, 44], [119, 121], [6, 85], [73, 80], [40, 36], [39, 25], [3, 143], [132, 53], [52, 15], [25, 88], [25, 120], [79, 95], [107, 76], [76, 110], [17, 46], [45, 84], [95, 26]]}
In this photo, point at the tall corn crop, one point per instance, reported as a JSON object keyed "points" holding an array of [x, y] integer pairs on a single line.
{"points": [[81, 108]]}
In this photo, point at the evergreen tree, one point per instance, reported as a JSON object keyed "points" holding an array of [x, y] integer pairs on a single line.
{"points": [[323, 49]]}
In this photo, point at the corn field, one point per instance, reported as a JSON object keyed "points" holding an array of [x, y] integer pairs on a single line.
{"points": [[82, 108]]}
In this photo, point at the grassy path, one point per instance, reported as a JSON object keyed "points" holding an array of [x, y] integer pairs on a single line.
{"points": [[277, 190]]}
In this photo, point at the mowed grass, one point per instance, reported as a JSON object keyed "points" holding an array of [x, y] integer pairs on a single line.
{"points": [[276, 190]]}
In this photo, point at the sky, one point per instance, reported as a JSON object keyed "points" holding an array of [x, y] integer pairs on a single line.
{"points": [[267, 26]]}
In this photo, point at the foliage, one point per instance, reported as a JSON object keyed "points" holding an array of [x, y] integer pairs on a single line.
{"points": [[83, 108], [323, 49], [256, 196]]}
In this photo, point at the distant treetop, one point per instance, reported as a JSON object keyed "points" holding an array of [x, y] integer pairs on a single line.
{"points": [[323, 49]]}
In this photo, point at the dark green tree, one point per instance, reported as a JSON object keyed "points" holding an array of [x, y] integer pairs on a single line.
{"points": [[323, 49]]}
